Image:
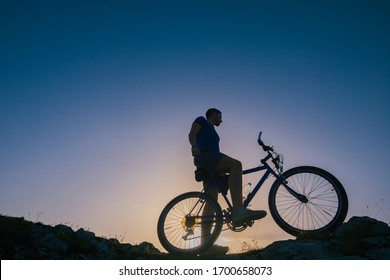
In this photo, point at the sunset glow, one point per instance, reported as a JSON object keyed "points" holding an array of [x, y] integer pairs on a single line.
{"points": [[96, 102]]}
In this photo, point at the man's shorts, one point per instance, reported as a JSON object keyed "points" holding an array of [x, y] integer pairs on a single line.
{"points": [[209, 161]]}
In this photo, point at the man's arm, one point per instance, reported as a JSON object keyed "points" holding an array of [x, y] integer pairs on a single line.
{"points": [[192, 138]]}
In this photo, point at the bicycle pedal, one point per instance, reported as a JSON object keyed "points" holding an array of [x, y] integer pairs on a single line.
{"points": [[244, 223]]}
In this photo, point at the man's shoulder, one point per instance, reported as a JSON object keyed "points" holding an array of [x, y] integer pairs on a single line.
{"points": [[200, 120]]}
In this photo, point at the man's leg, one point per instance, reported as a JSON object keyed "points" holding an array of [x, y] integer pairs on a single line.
{"points": [[208, 210], [206, 229], [234, 168], [240, 213]]}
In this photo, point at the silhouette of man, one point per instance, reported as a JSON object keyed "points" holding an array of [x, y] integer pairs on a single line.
{"points": [[204, 142]]}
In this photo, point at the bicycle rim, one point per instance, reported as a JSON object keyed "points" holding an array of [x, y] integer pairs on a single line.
{"points": [[181, 221], [325, 209]]}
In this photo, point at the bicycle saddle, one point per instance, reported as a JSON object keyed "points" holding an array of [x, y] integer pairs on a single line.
{"points": [[201, 174]]}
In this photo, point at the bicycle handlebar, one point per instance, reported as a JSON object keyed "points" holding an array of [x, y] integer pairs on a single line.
{"points": [[277, 159], [265, 147]]}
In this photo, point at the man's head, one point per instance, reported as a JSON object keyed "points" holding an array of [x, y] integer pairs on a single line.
{"points": [[214, 116]]}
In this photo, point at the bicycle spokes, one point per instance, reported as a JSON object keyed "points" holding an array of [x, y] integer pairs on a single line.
{"points": [[324, 205], [190, 223], [320, 203]]}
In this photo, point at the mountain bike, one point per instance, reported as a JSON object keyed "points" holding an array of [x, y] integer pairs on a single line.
{"points": [[304, 199]]}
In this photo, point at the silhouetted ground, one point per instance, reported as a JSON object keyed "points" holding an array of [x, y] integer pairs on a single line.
{"points": [[359, 238]]}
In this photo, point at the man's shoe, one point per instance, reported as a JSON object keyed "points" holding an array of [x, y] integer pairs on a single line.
{"points": [[215, 250], [244, 214]]}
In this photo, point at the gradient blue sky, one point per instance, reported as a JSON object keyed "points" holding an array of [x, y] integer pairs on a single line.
{"points": [[97, 99]]}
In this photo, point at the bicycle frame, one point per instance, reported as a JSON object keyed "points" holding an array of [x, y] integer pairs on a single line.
{"points": [[268, 171]]}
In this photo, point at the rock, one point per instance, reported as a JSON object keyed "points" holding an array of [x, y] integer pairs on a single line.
{"points": [[360, 227], [21, 239], [147, 248], [85, 234], [359, 238]]}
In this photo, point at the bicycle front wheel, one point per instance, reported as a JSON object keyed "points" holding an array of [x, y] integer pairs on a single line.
{"points": [[325, 208], [190, 223]]}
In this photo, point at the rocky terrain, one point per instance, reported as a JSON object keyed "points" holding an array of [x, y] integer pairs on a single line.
{"points": [[359, 238]]}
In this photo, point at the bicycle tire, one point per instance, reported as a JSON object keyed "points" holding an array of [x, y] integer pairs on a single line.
{"points": [[176, 221], [325, 210]]}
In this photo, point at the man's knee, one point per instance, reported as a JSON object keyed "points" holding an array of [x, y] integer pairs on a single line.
{"points": [[236, 164], [231, 164]]}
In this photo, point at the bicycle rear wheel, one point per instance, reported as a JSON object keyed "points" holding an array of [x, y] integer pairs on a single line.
{"points": [[326, 206], [180, 224]]}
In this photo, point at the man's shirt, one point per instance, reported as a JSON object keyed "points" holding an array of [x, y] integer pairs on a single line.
{"points": [[207, 138]]}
